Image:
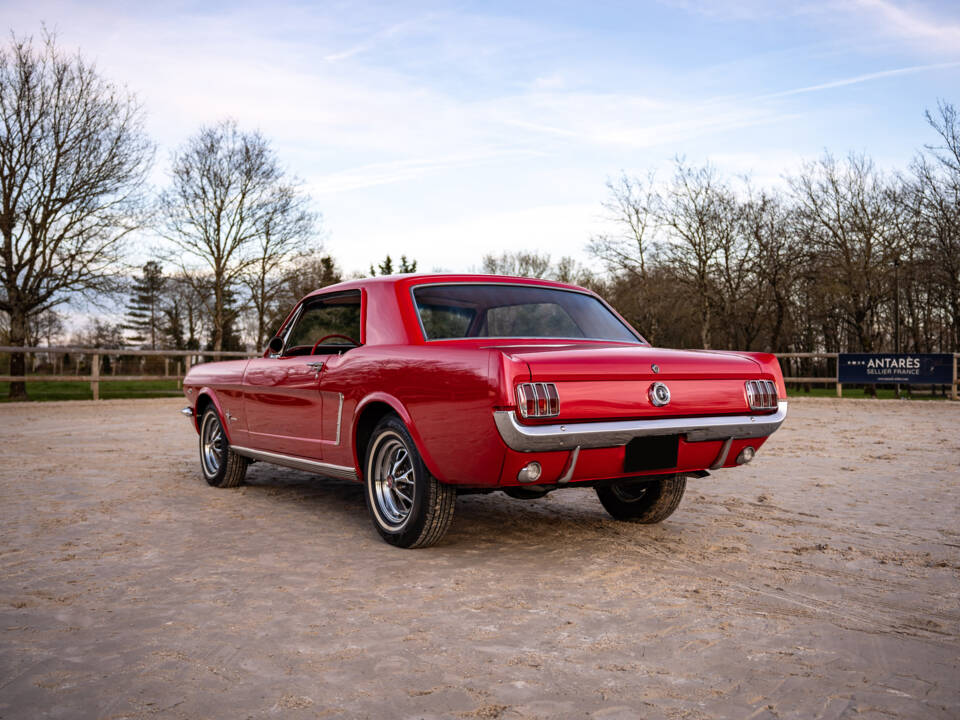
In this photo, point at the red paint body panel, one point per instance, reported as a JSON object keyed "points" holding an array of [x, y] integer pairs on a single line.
{"points": [[446, 391]]}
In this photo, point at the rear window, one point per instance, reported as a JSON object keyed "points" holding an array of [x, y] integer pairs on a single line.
{"points": [[515, 311]]}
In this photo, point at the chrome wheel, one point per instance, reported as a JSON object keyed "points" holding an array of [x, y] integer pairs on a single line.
{"points": [[393, 480], [211, 444]]}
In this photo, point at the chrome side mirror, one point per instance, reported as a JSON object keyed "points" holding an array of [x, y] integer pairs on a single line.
{"points": [[276, 345]]}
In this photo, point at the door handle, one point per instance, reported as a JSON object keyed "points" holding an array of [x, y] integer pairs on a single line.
{"points": [[316, 365]]}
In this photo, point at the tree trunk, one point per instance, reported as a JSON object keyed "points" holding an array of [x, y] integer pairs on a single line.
{"points": [[18, 361]]}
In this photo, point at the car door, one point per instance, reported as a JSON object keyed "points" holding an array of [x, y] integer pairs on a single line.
{"points": [[285, 405]]}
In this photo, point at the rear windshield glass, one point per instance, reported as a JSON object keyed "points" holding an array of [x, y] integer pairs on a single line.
{"points": [[520, 311]]}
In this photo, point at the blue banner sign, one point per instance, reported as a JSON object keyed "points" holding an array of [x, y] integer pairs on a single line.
{"points": [[908, 368]]}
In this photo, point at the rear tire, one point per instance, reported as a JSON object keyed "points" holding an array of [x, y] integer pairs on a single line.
{"points": [[221, 466], [647, 502], [409, 507]]}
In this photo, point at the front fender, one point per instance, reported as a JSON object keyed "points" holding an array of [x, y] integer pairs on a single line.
{"points": [[211, 394]]}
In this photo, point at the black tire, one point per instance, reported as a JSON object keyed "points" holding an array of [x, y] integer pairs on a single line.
{"points": [[643, 501], [412, 512], [221, 466]]}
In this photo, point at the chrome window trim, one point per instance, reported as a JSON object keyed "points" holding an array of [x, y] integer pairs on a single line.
{"points": [[342, 472], [567, 436], [423, 333], [323, 297]]}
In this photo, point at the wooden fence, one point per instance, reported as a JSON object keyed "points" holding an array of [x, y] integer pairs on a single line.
{"points": [[95, 354], [826, 380], [95, 377]]}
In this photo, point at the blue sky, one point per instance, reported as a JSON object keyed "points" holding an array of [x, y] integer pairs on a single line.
{"points": [[445, 131]]}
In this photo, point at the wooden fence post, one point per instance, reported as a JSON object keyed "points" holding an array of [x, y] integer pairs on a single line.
{"points": [[953, 388], [95, 375], [166, 366]]}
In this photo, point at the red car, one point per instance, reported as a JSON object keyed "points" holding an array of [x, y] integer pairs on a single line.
{"points": [[424, 387]]}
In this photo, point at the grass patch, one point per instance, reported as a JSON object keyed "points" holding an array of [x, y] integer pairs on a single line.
{"points": [[858, 393], [45, 391]]}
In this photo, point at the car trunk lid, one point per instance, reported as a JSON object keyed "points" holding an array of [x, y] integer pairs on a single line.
{"points": [[598, 381]]}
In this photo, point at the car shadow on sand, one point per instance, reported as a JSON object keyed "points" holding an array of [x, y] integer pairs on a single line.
{"points": [[489, 520]]}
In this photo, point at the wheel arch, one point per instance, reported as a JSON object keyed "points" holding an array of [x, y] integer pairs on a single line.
{"points": [[205, 398], [369, 412]]}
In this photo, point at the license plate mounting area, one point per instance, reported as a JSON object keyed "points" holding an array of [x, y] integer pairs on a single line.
{"points": [[654, 452]]}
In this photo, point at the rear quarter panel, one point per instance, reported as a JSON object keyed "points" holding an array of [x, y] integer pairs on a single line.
{"points": [[448, 395]]}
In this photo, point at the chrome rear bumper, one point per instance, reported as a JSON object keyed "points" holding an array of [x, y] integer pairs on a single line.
{"points": [[567, 436]]}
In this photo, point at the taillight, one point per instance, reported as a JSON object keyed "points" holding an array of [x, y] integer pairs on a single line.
{"points": [[761, 394], [538, 400]]}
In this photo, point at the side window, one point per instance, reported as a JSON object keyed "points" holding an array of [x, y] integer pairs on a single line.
{"points": [[335, 321]]}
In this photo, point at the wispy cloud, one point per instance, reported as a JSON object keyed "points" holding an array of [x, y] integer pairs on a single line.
{"points": [[385, 173], [856, 79], [377, 38], [914, 24]]}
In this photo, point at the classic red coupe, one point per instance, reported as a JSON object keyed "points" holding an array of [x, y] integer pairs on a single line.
{"points": [[424, 387]]}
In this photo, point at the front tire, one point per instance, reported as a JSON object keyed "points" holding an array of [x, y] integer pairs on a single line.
{"points": [[409, 507], [647, 502], [220, 465]]}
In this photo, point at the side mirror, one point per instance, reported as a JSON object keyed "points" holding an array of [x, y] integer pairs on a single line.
{"points": [[276, 345]]}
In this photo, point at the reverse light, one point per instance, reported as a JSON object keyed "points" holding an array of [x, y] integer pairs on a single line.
{"points": [[761, 394], [530, 473], [536, 400]]}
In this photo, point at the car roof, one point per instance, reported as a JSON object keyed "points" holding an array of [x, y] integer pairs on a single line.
{"points": [[405, 280]]}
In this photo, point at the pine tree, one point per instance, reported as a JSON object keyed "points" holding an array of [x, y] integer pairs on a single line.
{"points": [[386, 267], [144, 310]]}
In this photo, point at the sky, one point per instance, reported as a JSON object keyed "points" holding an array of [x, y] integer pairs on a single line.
{"points": [[445, 131]]}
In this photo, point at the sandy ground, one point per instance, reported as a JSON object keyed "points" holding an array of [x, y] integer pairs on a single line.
{"points": [[823, 580]]}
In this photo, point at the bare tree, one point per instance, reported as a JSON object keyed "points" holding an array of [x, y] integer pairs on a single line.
{"points": [[73, 157], [632, 205], [937, 188], [521, 264], [284, 238], [696, 214], [848, 214], [227, 194]]}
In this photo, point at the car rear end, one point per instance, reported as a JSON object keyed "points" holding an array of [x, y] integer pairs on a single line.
{"points": [[588, 412]]}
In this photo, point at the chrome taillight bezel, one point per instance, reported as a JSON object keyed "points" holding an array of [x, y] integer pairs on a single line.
{"points": [[538, 400], [761, 394]]}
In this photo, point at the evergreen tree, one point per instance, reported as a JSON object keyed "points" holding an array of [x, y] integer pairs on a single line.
{"points": [[144, 312], [386, 267]]}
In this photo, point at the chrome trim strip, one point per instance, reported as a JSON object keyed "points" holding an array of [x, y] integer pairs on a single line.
{"points": [[531, 438], [339, 417], [571, 466], [722, 455], [341, 472]]}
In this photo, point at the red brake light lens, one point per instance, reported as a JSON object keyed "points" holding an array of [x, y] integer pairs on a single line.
{"points": [[536, 400]]}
